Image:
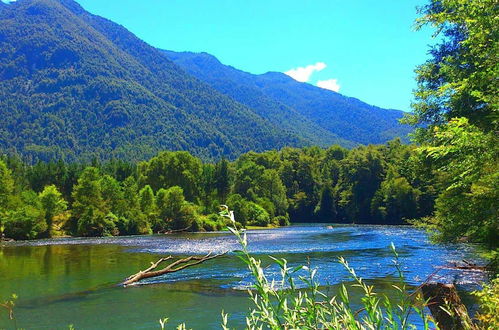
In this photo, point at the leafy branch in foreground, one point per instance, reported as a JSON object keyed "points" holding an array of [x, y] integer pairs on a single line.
{"points": [[488, 316], [284, 305]]}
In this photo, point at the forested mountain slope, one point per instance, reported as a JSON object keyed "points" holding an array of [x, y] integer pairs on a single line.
{"points": [[77, 85], [322, 116]]}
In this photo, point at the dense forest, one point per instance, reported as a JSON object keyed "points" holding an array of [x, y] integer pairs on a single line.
{"points": [[76, 86], [376, 184], [322, 116]]}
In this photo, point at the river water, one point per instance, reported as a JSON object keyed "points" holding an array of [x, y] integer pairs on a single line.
{"points": [[74, 281]]}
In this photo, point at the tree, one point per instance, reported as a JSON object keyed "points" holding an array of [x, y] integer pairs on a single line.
{"points": [[222, 179], [136, 219], [170, 169], [174, 211], [457, 97], [460, 78], [89, 208], [26, 221], [326, 209], [53, 204], [240, 207], [271, 187], [467, 161], [6, 186], [257, 215], [112, 195], [146, 200], [395, 201], [362, 172]]}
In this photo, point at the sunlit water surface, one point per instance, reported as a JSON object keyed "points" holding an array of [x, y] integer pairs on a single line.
{"points": [[74, 281]]}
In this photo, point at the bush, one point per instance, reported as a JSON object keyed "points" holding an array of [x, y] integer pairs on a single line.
{"points": [[488, 316], [94, 223], [257, 215], [281, 220], [26, 221], [185, 218], [209, 225]]}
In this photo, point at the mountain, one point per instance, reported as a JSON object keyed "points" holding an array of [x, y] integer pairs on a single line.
{"points": [[77, 85], [321, 115], [245, 88]]}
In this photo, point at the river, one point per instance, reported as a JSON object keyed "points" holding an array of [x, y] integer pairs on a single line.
{"points": [[74, 280]]}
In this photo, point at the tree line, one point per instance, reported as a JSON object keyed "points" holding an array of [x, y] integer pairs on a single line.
{"points": [[375, 184]]}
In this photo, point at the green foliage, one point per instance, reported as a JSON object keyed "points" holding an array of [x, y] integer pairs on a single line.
{"points": [[488, 316], [169, 169], [466, 159], [176, 191], [362, 172], [112, 194], [395, 199], [257, 216], [27, 221], [460, 78], [6, 186], [147, 200], [53, 204], [78, 86], [222, 179], [326, 209], [375, 184], [301, 109], [93, 222]]}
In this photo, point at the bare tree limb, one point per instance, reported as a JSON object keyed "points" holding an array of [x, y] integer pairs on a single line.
{"points": [[171, 268]]}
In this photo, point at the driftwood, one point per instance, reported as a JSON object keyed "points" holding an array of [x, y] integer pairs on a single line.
{"points": [[174, 230], [446, 307], [171, 268], [466, 265]]}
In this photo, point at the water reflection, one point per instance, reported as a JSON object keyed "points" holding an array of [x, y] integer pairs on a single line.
{"points": [[73, 281]]}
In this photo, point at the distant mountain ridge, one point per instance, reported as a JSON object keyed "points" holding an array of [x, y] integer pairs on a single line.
{"points": [[331, 116], [76, 85]]}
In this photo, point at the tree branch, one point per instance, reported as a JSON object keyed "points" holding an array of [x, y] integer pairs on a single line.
{"points": [[171, 268]]}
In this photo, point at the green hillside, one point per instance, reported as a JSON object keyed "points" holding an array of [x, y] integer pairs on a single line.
{"points": [[75, 85], [320, 115]]}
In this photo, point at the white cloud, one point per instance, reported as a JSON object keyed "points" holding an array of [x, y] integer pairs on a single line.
{"points": [[331, 84], [303, 74]]}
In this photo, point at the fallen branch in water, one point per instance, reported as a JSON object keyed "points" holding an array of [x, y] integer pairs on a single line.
{"points": [[171, 268], [174, 230], [466, 266]]}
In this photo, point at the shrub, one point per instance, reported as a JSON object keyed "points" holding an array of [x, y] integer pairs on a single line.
{"points": [[488, 316], [26, 221], [94, 223], [257, 215], [281, 220]]}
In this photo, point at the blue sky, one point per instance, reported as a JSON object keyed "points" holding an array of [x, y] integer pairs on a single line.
{"points": [[362, 48]]}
